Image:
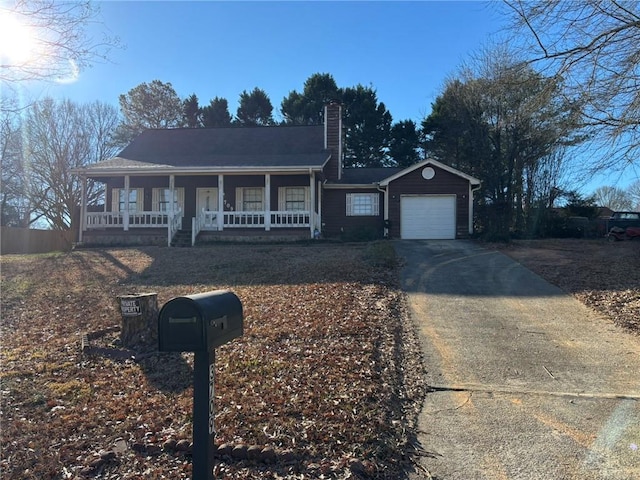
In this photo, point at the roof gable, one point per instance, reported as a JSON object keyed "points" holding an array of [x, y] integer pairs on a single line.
{"points": [[425, 163]]}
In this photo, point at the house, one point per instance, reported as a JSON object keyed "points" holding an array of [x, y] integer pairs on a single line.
{"points": [[274, 182]]}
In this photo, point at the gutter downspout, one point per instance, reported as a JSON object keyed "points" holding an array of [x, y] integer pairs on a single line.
{"points": [[386, 209], [471, 190]]}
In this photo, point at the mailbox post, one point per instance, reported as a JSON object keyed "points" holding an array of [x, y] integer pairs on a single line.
{"points": [[199, 323]]}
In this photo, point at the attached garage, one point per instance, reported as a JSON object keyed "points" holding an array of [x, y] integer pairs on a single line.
{"points": [[429, 201], [428, 217]]}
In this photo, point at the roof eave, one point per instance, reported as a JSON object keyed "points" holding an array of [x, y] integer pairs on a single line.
{"points": [[349, 186], [168, 170]]}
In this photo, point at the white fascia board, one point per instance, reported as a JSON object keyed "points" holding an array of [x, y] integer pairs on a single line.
{"points": [[352, 186], [163, 170], [425, 163]]}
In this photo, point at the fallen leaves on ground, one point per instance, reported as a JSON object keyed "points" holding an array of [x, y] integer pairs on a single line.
{"points": [[326, 379], [603, 275]]}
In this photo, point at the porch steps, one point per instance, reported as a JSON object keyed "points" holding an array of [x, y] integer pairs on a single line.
{"points": [[182, 238]]}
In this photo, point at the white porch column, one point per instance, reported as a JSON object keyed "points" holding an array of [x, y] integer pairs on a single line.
{"points": [[125, 214], [172, 190], [220, 217], [83, 208], [312, 203], [385, 192], [267, 202], [319, 206]]}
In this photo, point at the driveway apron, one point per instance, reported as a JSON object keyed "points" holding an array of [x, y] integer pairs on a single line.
{"points": [[527, 383]]}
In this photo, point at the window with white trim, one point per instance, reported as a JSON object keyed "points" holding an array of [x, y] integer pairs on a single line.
{"points": [[161, 199], [133, 204], [363, 204], [293, 199], [250, 199]]}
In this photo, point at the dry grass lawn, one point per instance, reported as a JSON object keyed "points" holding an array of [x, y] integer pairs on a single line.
{"points": [[604, 276], [316, 388], [324, 383]]}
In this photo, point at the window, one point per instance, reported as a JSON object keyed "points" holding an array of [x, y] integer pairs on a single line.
{"points": [[363, 204], [250, 199], [133, 204], [293, 199], [162, 199]]}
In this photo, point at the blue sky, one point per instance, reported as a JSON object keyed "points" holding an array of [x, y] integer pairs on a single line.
{"points": [[404, 50]]}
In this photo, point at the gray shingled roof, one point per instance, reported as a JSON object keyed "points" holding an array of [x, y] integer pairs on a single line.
{"points": [[361, 176], [298, 146]]}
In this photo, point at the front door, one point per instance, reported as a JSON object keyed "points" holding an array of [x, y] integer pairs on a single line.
{"points": [[207, 199], [207, 202]]}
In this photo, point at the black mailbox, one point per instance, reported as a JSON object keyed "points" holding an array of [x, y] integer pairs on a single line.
{"points": [[199, 323]]}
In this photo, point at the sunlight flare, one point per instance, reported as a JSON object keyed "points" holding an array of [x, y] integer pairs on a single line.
{"points": [[17, 41]]}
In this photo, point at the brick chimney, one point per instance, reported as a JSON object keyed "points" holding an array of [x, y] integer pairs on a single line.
{"points": [[333, 140]]}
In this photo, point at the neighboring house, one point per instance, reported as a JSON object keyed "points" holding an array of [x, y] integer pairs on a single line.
{"points": [[276, 182]]}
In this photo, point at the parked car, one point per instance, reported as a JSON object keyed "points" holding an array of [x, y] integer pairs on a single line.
{"points": [[623, 226]]}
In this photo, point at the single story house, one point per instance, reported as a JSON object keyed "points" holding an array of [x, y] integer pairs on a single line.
{"points": [[172, 185]]}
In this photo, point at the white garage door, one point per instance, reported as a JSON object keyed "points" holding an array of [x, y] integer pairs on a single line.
{"points": [[428, 217]]}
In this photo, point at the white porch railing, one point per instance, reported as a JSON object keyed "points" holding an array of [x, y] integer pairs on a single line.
{"points": [[175, 223], [243, 219], [136, 219], [104, 220], [290, 219], [278, 219], [172, 221], [205, 220]]}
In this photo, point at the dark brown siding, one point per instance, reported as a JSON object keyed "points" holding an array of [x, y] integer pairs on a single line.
{"points": [[189, 183], [443, 183], [192, 182], [335, 222]]}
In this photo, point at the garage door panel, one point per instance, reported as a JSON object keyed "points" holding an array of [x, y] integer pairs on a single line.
{"points": [[428, 217]]}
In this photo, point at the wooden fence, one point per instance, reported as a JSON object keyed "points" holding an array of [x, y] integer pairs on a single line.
{"points": [[26, 240]]}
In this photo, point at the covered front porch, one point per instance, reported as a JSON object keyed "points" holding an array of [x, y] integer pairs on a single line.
{"points": [[160, 208]]}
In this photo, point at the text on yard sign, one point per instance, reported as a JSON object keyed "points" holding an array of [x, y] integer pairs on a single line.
{"points": [[130, 308]]}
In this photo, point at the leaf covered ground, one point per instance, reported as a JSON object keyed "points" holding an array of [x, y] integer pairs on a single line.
{"points": [[604, 276], [324, 383]]}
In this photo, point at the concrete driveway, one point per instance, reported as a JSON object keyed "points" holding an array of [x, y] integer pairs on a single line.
{"points": [[527, 382]]}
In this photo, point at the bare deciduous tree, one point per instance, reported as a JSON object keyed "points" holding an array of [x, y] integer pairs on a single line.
{"points": [[593, 46], [59, 136], [48, 40], [613, 198], [14, 205], [505, 123], [634, 193]]}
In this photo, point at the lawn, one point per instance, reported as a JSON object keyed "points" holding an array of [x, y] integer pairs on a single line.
{"points": [[324, 383], [604, 276]]}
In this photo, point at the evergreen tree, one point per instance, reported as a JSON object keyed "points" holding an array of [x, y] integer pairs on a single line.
{"points": [[499, 124], [149, 105], [216, 114], [255, 109], [403, 147], [307, 108], [192, 112], [368, 128]]}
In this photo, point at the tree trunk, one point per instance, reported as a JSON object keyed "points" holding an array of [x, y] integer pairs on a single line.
{"points": [[139, 320]]}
